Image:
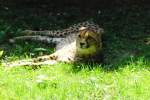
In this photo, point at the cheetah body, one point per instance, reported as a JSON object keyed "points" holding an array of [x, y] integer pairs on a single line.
{"points": [[68, 43]]}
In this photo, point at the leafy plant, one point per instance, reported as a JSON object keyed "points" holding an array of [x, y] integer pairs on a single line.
{"points": [[1, 53]]}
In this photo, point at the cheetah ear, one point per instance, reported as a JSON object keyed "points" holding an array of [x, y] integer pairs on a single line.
{"points": [[87, 29], [83, 28]]}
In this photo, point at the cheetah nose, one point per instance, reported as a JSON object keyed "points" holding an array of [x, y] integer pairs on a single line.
{"points": [[82, 43]]}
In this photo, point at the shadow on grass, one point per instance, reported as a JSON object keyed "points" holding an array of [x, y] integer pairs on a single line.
{"points": [[126, 29]]}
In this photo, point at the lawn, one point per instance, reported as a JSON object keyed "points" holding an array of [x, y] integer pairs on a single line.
{"points": [[124, 75]]}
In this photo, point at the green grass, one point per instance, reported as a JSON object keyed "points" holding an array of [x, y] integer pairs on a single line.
{"points": [[125, 74], [64, 81]]}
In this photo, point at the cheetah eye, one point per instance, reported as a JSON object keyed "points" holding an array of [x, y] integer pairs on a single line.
{"points": [[79, 36]]}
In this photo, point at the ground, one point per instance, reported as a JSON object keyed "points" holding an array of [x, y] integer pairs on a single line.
{"points": [[123, 75]]}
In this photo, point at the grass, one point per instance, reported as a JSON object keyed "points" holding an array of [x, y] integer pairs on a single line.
{"points": [[124, 76], [62, 81]]}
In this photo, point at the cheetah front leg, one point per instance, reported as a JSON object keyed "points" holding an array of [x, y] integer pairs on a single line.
{"points": [[51, 57], [43, 60], [62, 55]]}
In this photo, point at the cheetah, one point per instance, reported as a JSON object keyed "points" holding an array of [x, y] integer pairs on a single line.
{"points": [[80, 42]]}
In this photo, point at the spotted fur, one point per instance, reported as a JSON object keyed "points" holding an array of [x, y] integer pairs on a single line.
{"points": [[52, 36]]}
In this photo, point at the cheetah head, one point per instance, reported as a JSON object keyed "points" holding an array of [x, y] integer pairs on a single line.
{"points": [[88, 42]]}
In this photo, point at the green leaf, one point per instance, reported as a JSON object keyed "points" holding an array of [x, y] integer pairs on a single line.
{"points": [[1, 53], [40, 49]]}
